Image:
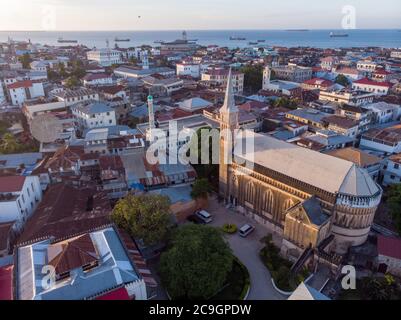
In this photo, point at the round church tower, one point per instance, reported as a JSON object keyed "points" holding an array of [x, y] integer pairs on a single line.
{"points": [[355, 208]]}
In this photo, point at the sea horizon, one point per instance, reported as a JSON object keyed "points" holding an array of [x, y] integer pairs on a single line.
{"points": [[291, 37]]}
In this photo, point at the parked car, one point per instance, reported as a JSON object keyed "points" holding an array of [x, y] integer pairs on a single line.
{"points": [[245, 230], [205, 216], [195, 219]]}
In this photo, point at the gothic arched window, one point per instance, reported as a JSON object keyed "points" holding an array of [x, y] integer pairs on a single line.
{"points": [[268, 201], [250, 192]]}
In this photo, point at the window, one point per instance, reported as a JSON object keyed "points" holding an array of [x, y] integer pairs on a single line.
{"points": [[396, 166]]}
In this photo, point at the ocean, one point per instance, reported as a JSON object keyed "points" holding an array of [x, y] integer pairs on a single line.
{"points": [[287, 38]]}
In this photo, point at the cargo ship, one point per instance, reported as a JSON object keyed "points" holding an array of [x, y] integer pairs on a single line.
{"points": [[338, 35], [237, 38], [122, 40], [61, 40]]}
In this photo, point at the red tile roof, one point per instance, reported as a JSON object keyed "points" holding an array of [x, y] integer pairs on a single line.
{"points": [[20, 84], [11, 183], [369, 82], [319, 82], [390, 247], [6, 283], [119, 294]]}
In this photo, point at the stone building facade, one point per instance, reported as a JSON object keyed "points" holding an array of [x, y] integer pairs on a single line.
{"points": [[276, 178]]}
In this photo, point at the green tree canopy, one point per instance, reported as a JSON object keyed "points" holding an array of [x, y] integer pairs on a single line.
{"points": [[209, 170], [286, 103], [253, 77], [342, 80], [394, 204], [26, 60], [72, 82], [197, 264], [200, 188], [145, 217]]}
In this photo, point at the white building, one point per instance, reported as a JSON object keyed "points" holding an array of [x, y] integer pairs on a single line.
{"points": [[396, 54], [105, 57], [389, 255], [71, 97], [2, 95], [386, 140], [94, 115], [366, 66], [21, 91], [384, 112], [392, 170], [98, 79], [19, 197], [379, 88], [87, 266], [188, 69], [354, 98]]}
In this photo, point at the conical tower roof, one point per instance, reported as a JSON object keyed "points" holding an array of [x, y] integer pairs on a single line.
{"points": [[229, 101]]}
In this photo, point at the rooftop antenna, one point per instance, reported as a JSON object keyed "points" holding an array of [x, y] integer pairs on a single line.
{"points": [[108, 51]]}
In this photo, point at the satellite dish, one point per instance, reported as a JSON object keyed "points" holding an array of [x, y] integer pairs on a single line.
{"points": [[46, 128]]}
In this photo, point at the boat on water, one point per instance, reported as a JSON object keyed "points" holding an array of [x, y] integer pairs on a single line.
{"points": [[261, 41], [61, 40], [252, 43], [237, 38], [338, 35], [122, 40]]}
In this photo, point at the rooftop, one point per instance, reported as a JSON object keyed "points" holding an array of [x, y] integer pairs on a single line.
{"points": [[322, 171], [75, 256], [357, 156]]}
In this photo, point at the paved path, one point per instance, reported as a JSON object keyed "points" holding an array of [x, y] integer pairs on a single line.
{"points": [[247, 250]]}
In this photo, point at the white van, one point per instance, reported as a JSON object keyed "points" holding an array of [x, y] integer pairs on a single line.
{"points": [[246, 230], [205, 216]]}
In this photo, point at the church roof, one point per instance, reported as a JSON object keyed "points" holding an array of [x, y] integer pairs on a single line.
{"points": [[325, 172], [314, 211], [305, 292], [229, 101]]}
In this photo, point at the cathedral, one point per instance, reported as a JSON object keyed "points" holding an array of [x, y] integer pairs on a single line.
{"points": [[309, 198]]}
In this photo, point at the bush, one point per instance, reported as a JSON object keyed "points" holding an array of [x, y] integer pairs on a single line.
{"points": [[230, 228], [278, 266]]}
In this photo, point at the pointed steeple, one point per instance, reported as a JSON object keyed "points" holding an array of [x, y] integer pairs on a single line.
{"points": [[229, 102]]}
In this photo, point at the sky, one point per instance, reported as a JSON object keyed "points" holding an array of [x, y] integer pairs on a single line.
{"points": [[75, 15]]}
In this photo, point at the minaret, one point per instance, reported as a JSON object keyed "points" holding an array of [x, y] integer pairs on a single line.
{"points": [[151, 116], [228, 126], [145, 61], [267, 74]]}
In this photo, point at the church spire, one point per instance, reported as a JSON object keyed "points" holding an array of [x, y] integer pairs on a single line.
{"points": [[229, 102]]}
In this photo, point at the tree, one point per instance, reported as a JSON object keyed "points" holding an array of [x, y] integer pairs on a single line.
{"points": [[197, 264], [72, 82], [286, 103], [253, 77], [209, 170], [394, 204], [3, 127], [375, 288], [145, 217], [200, 189], [26, 60], [342, 80], [9, 144]]}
